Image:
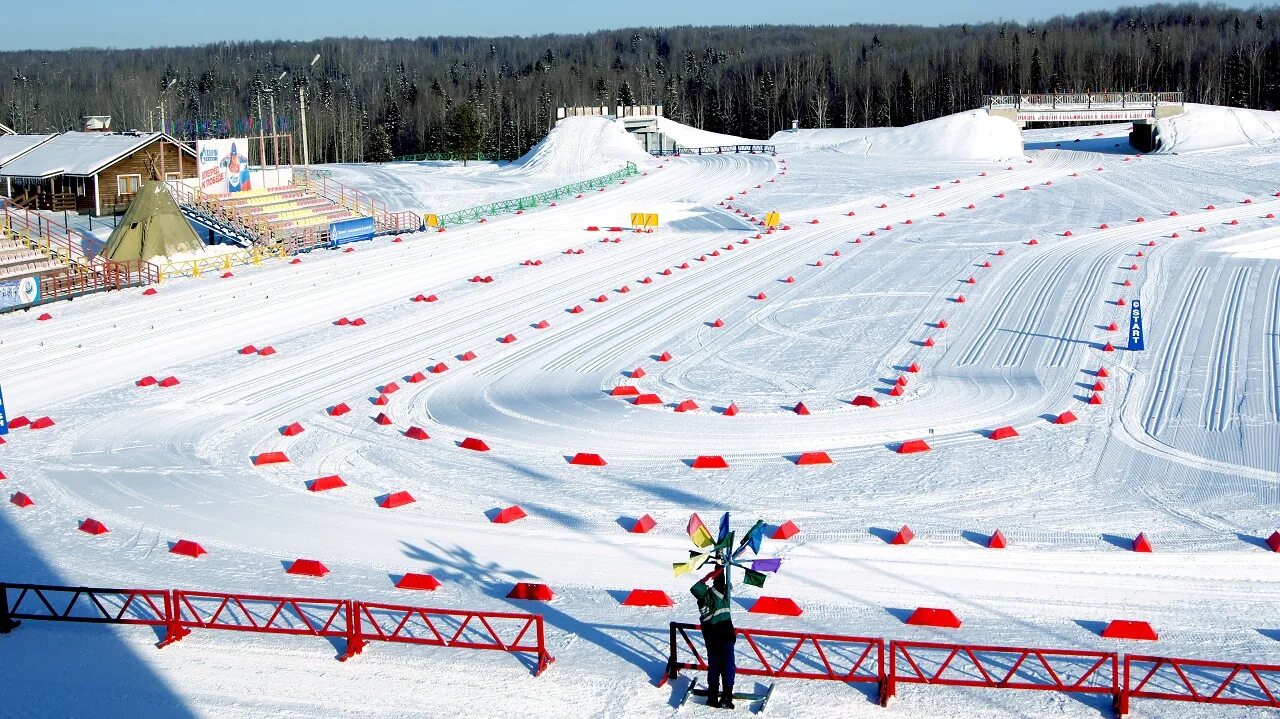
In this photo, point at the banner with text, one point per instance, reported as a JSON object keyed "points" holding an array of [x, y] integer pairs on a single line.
{"points": [[17, 293], [224, 166], [1136, 339]]}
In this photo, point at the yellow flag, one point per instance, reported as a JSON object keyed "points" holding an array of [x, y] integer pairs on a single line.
{"points": [[681, 568]]}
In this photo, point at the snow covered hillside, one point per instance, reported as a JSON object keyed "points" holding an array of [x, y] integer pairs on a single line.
{"points": [[1210, 127], [922, 291]]}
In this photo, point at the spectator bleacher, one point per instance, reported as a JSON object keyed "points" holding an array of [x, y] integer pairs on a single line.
{"points": [[277, 212]]}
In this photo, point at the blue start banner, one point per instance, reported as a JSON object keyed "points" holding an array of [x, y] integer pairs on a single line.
{"points": [[352, 230], [1136, 339], [17, 293], [4, 416]]}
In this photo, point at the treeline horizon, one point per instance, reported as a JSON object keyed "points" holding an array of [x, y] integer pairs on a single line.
{"points": [[370, 99]]}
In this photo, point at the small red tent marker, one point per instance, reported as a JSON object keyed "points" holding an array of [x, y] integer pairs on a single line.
{"points": [[342, 322], [44, 317], [624, 390], [709, 461], [649, 398], [149, 291], [146, 381], [416, 377], [941, 324], [1102, 372], [786, 530], [474, 444], [187, 548], [687, 406], [93, 526], [897, 391], [913, 446], [1142, 544], [637, 373], [169, 381], [396, 499], [382, 401], [1274, 541], [1004, 432], [643, 525], [1065, 418], [913, 368], [1098, 386], [782, 606], [267, 351], [248, 350], [588, 459], [467, 356], [1129, 629], [1095, 399], [417, 433], [270, 458], [931, 617], [421, 582], [865, 400], [997, 540], [800, 408], [509, 514], [664, 357], [1108, 347], [731, 410], [438, 367], [647, 598], [292, 430], [390, 388], [718, 323], [542, 325], [531, 591], [358, 322], [813, 458], [307, 568], [321, 484], [904, 536], [339, 409], [19, 422], [21, 499], [760, 296]]}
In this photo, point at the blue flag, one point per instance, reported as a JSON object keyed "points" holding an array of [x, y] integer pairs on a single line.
{"points": [[724, 527], [4, 416], [1137, 341]]}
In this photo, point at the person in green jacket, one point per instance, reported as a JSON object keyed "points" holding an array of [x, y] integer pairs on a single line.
{"points": [[715, 616]]}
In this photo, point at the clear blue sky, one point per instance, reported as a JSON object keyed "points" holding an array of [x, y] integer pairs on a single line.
{"points": [[33, 24]]}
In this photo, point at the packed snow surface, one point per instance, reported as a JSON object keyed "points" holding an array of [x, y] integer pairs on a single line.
{"points": [[972, 135], [1180, 444], [1211, 127], [583, 144]]}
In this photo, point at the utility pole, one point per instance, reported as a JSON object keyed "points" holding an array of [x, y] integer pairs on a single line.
{"points": [[302, 107], [262, 139], [164, 177]]}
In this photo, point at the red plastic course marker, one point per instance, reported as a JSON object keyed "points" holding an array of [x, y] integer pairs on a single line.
{"points": [[417, 433], [509, 514], [307, 568], [800, 409], [1274, 541], [266, 351], [782, 606], [248, 350], [146, 381], [786, 530], [531, 591], [93, 526], [396, 499], [643, 525], [1004, 432], [474, 444], [933, 617], [904, 536], [20, 499], [588, 459], [1065, 418], [647, 598], [169, 381], [709, 461], [808, 458], [1129, 629], [339, 409], [687, 406], [293, 430], [1142, 544], [187, 548], [731, 410], [420, 582], [624, 390], [321, 484], [997, 540], [270, 458], [912, 446], [864, 400], [648, 398]]}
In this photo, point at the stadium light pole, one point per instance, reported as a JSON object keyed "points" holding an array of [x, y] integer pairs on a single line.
{"points": [[163, 175], [275, 135], [302, 109]]}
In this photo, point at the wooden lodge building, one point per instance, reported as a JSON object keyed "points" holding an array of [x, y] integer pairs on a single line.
{"points": [[88, 172]]}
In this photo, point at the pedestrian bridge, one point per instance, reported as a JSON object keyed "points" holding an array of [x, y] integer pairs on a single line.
{"points": [[1085, 107]]}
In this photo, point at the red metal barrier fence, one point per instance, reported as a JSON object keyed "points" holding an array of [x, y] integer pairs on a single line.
{"points": [[833, 657], [179, 612]]}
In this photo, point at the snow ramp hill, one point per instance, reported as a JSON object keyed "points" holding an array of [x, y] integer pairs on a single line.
{"points": [[1212, 127], [972, 135], [579, 146]]}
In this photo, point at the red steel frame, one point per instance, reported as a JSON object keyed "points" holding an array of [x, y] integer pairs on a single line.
{"points": [[474, 630], [180, 611], [1225, 683], [867, 667], [1028, 668]]}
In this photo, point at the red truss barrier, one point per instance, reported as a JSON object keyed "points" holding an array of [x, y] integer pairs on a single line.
{"points": [[180, 611], [964, 665], [784, 655], [511, 632], [1203, 682]]}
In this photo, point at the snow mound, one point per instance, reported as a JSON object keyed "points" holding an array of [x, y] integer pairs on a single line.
{"points": [[686, 136], [972, 135], [583, 145], [1212, 127]]}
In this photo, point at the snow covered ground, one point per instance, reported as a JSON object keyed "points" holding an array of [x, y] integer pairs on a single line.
{"points": [[1183, 446]]}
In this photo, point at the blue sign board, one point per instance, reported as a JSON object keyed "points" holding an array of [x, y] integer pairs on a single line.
{"points": [[351, 230], [1137, 341], [17, 293], [4, 416]]}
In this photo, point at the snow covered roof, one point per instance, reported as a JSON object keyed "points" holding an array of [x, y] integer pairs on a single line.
{"points": [[80, 153], [12, 146]]}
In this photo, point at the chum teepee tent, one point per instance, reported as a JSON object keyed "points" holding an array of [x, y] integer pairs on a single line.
{"points": [[152, 226]]}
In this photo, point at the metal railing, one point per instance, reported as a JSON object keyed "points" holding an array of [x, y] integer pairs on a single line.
{"points": [[385, 220], [540, 198], [751, 149], [442, 157], [180, 612], [1101, 100]]}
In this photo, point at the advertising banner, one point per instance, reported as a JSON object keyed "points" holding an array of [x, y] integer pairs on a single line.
{"points": [[1136, 339], [17, 293], [352, 230], [223, 165]]}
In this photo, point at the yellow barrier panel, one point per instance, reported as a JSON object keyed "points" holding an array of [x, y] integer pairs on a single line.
{"points": [[772, 219], [431, 220], [644, 221]]}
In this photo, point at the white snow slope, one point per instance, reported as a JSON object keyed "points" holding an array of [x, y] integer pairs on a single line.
{"points": [[582, 144], [1182, 446], [972, 135], [1210, 127]]}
